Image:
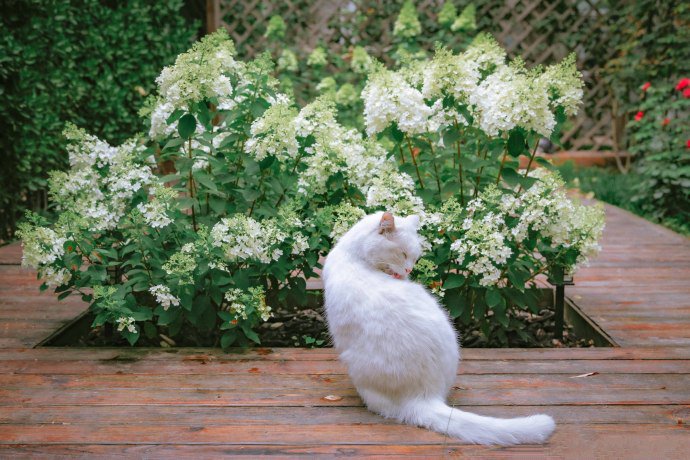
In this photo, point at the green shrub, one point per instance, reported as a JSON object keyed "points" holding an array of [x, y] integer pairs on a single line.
{"points": [[91, 63], [660, 138], [226, 206]]}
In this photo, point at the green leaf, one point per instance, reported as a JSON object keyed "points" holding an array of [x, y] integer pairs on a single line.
{"points": [[186, 126], [250, 334], [510, 176], [492, 297], [228, 338], [204, 179], [453, 281], [150, 330], [516, 143], [174, 116], [450, 137]]}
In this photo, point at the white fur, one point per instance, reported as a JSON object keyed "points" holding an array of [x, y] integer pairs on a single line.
{"points": [[399, 345]]}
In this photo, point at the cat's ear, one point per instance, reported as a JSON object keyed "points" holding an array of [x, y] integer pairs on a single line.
{"points": [[387, 223]]}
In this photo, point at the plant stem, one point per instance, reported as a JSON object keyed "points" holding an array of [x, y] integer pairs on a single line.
{"points": [[500, 169], [263, 192], [191, 184], [402, 157], [419, 176], [433, 161], [292, 173], [529, 164], [479, 174], [457, 146]]}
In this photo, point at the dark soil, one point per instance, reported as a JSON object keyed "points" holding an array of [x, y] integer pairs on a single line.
{"points": [[302, 328], [306, 327]]}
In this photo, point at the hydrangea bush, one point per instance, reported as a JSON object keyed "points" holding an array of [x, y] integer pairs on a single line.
{"points": [[221, 213], [201, 228], [460, 124]]}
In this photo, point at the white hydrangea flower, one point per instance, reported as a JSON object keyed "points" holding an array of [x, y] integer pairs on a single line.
{"points": [[274, 133], [164, 297], [300, 244], [86, 150], [242, 238], [511, 97], [159, 121], [389, 98], [395, 192], [242, 303], [55, 277], [126, 322], [202, 72], [565, 84]]}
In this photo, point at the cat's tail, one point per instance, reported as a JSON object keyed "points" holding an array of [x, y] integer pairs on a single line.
{"points": [[477, 429]]}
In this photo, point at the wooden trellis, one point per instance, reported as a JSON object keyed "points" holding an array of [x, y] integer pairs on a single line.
{"points": [[533, 29]]}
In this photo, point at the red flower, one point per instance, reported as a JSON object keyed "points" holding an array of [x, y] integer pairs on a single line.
{"points": [[687, 143], [684, 82], [665, 122], [639, 115], [686, 93], [646, 86]]}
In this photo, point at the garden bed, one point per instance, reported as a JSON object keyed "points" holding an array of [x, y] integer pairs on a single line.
{"points": [[306, 327]]}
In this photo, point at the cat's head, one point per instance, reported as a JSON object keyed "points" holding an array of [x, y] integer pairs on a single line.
{"points": [[386, 243]]}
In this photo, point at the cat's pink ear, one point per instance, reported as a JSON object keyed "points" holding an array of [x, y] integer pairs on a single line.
{"points": [[387, 223]]}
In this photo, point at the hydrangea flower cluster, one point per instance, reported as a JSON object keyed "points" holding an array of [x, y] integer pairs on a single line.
{"points": [[317, 58], [202, 72], [407, 24], [164, 297], [181, 265], [242, 238], [156, 212], [274, 134], [361, 62], [492, 227], [343, 217], [499, 96], [335, 149], [101, 199], [243, 304], [42, 250], [126, 322]]}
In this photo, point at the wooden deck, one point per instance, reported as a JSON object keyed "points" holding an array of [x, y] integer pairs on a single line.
{"points": [[201, 403]]}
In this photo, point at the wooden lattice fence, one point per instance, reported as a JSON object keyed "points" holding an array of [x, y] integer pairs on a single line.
{"points": [[541, 31]]}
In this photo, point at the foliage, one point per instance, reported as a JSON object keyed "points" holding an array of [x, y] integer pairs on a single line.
{"points": [[645, 42], [611, 186], [223, 210], [660, 137], [459, 124], [218, 214], [88, 62]]}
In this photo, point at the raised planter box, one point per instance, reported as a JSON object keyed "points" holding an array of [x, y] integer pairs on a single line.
{"points": [[580, 157], [581, 325]]}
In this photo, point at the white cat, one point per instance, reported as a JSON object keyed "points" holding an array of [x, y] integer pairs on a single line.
{"points": [[398, 344]]}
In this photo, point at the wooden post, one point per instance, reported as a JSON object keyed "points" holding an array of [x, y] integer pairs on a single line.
{"points": [[212, 16]]}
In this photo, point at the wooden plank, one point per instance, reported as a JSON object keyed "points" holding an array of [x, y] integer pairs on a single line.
{"points": [[256, 415], [201, 355], [11, 253], [338, 382], [574, 367], [587, 441], [314, 397]]}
